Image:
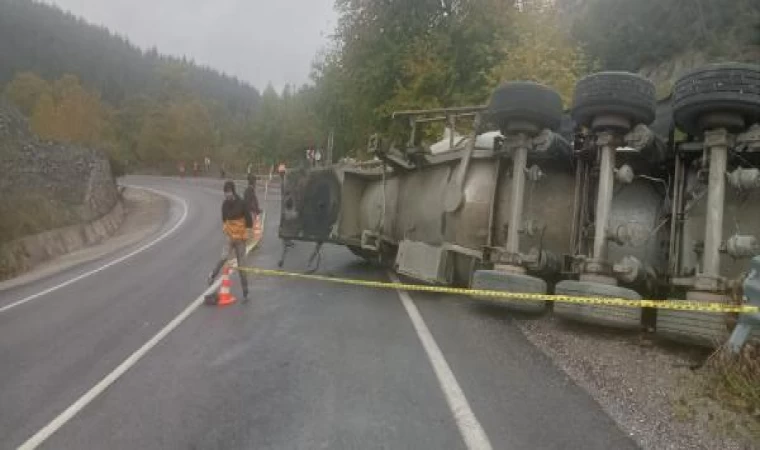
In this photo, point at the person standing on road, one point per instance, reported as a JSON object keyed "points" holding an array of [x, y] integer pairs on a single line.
{"points": [[235, 219], [251, 200], [281, 170]]}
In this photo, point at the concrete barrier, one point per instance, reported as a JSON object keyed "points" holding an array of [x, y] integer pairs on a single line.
{"points": [[21, 255]]}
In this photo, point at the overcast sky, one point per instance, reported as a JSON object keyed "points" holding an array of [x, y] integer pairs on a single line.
{"points": [[258, 41]]}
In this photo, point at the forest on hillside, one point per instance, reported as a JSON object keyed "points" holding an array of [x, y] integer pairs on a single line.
{"points": [[82, 84], [626, 35], [431, 53]]}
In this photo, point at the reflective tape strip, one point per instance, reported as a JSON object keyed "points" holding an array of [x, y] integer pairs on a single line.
{"points": [[676, 305]]}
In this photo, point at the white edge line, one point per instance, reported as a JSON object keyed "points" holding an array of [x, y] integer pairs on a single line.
{"points": [[472, 432], [61, 420], [42, 435], [115, 261]]}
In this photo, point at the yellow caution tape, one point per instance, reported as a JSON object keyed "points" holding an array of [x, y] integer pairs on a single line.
{"points": [[677, 305]]}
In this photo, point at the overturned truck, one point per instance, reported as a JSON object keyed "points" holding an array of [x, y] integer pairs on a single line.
{"points": [[622, 197]]}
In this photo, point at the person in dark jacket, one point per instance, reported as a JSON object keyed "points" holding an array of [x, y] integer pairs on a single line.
{"points": [[251, 200], [236, 219]]}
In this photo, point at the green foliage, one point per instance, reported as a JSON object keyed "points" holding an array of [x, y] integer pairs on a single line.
{"points": [[543, 53], [45, 40], [141, 107], [384, 56], [178, 125], [25, 91], [415, 54], [268, 128], [406, 54], [175, 126], [626, 35]]}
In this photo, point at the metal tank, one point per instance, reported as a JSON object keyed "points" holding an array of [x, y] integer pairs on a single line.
{"points": [[439, 216]]}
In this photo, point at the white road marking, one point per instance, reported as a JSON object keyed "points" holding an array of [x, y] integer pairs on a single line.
{"points": [[472, 432], [182, 219], [61, 420], [42, 435]]}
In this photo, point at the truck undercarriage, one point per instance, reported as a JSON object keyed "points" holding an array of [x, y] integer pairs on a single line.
{"points": [[607, 200]]}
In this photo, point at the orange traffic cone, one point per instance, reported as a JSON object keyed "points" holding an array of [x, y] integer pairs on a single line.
{"points": [[257, 229], [225, 296]]}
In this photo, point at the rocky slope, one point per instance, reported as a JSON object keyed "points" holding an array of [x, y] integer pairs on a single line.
{"points": [[45, 186]]}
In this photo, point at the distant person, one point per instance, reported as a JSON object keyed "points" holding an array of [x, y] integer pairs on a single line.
{"points": [[249, 169], [207, 162], [236, 220], [182, 169], [251, 200], [196, 168]]}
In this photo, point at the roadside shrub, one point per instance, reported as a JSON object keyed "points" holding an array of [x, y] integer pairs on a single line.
{"points": [[734, 381]]}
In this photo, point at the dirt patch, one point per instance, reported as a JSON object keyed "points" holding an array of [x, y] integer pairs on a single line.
{"points": [[657, 393], [724, 395]]}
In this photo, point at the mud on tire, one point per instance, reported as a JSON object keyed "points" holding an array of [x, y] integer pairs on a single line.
{"points": [[620, 93], [725, 88], [526, 101]]}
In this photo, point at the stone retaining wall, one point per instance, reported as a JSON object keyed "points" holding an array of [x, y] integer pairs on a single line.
{"points": [[54, 198], [23, 254]]}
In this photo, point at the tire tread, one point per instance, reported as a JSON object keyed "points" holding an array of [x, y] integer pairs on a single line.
{"points": [[727, 87]]}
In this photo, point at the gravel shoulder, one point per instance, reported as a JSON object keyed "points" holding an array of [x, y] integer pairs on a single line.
{"points": [[145, 214], [649, 388]]}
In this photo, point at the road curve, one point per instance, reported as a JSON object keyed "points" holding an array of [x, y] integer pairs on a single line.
{"points": [[303, 366]]}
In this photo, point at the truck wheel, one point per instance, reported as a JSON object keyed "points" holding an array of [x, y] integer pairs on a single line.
{"points": [[321, 204], [719, 88], [526, 101], [608, 316], [614, 93], [693, 327], [494, 280]]}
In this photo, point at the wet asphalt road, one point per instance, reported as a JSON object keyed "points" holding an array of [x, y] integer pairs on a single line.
{"points": [[303, 366]]}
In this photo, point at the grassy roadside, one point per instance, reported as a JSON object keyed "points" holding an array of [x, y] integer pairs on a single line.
{"points": [[25, 215], [726, 392], [32, 213]]}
